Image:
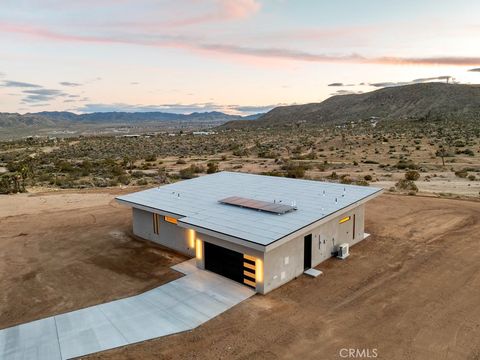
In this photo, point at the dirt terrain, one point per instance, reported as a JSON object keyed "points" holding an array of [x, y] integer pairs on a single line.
{"points": [[64, 251], [410, 291]]}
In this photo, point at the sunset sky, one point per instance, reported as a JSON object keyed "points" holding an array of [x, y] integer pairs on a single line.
{"points": [[237, 56]]}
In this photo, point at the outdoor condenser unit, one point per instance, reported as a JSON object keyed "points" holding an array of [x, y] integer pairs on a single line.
{"points": [[343, 251]]}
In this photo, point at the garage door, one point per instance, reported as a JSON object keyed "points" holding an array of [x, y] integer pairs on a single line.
{"points": [[231, 264]]}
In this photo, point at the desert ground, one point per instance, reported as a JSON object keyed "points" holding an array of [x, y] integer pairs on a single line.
{"points": [[410, 291], [443, 157], [60, 252]]}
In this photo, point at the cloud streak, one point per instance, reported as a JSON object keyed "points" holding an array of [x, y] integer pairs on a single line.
{"points": [[19, 84], [339, 84], [34, 93], [169, 41], [71, 84], [41, 95], [445, 78]]}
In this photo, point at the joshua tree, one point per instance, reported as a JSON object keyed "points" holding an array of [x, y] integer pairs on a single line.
{"points": [[441, 152]]}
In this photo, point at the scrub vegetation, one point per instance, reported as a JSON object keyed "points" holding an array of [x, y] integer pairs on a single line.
{"points": [[440, 157]]}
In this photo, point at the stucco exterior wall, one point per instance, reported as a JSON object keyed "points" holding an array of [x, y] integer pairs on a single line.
{"points": [[169, 235], [285, 262], [277, 266]]}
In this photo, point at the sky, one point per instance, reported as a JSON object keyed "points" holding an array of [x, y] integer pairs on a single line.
{"points": [[236, 56]]}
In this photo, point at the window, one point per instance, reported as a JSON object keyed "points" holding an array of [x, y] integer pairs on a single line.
{"points": [[170, 219], [345, 219], [156, 224], [353, 233]]}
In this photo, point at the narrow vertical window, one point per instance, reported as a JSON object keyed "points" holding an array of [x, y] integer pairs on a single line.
{"points": [[353, 235], [156, 223]]}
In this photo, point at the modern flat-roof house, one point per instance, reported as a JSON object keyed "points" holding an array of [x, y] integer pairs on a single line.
{"points": [[261, 231]]}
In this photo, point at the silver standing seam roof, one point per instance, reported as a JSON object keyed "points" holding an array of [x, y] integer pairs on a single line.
{"points": [[195, 202]]}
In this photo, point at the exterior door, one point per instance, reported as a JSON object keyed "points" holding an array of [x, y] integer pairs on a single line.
{"points": [[307, 252]]}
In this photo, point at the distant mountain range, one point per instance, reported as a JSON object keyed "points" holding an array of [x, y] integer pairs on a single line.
{"points": [[410, 102], [417, 101], [47, 119]]}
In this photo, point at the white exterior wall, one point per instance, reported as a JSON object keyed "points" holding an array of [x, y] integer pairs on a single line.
{"points": [[280, 265], [285, 262], [169, 235]]}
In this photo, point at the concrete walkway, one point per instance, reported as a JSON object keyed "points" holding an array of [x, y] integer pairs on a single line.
{"points": [[177, 306]]}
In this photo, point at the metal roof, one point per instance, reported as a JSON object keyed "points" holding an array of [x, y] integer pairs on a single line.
{"points": [[196, 203]]}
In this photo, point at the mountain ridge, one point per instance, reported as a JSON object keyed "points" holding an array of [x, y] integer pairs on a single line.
{"points": [[59, 118], [415, 101]]}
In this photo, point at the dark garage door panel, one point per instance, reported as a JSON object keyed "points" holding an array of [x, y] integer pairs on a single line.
{"points": [[224, 261]]}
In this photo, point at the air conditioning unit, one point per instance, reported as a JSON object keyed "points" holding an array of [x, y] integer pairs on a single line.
{"points": [[343, 251]]}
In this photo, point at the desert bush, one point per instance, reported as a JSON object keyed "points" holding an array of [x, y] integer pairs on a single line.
{"points": [[187, 173], [212, 167], [137, 174], [151, 158], [362, 183], [11, 184], [406, 185], [406, 164], [368, 177], [240, 151], [294, 170], [412, 175], [142, 182], [461, 173], [123, 179], [468, 152], [345, 179]]}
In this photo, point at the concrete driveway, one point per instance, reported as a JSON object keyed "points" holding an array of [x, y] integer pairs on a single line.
{"points": [[177, 306]]}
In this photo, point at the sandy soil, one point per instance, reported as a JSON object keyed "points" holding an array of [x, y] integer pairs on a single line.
{"points": [[410, 291], [65, 251], [450, 188]]}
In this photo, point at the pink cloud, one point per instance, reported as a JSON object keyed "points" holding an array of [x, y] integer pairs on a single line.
{"points": [[238, 9], [234, 50], [438, 60], [224, 10]]}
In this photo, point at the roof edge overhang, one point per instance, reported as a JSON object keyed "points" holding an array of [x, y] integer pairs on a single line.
{"points": [[199, 229], [319, 222], [149, 208], [222, 236]]}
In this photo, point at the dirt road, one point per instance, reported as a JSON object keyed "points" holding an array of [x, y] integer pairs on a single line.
{"points": [[410, 291]]}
